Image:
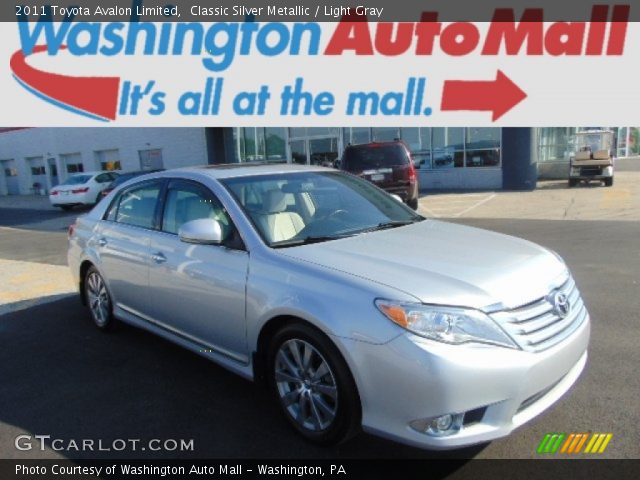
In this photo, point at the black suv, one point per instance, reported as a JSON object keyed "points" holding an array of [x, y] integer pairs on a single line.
{"points": [[386, 164]]}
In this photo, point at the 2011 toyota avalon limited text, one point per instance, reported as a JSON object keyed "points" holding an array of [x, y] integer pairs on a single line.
{"points": [[355, 310]]}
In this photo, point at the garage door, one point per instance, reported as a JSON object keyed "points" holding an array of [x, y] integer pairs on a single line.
{"points": [[38, 173], [10, 177]]}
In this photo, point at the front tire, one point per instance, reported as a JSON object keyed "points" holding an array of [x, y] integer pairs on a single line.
{"points": [[608, 182], [313, 385], [98, 300], [66, 208]]}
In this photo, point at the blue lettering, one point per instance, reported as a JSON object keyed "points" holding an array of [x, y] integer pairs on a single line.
{"points": [[73, 42], [226, 50], [113, 36], [53, 39]]}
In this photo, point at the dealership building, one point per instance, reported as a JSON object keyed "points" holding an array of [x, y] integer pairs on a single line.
{"points": [[36, 159]]}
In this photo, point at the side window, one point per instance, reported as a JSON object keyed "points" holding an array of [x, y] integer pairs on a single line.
{"points": [[185, 203], [103, 177], [136, 206]]}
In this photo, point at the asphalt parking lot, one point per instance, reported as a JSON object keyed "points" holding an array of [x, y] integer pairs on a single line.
{"points": [[62, 377]]}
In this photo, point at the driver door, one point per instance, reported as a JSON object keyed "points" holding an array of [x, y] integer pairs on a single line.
{"points": [[199, 290]]}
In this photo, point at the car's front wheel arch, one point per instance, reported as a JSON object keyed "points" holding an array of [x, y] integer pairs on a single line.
{"points": [[84, 268], [280, 330]]}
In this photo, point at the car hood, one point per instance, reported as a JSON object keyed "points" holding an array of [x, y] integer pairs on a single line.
{"points": [[444, 263]]}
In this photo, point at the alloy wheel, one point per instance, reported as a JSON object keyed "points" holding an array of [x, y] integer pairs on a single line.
{"points": [[98, 299], [306, 385]]}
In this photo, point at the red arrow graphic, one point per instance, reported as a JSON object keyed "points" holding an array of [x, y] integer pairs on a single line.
{"points": [[95, 96], [498, 96]]}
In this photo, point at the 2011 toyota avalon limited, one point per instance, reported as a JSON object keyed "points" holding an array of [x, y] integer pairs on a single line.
{"points": [[355, 310]]}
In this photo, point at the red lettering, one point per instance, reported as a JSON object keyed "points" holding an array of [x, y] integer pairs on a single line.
{"points": [[618, 31], [386, 45], [503, 29], [352, 33], [427, 29], [459, 38], [595, 41], [565, 38]]}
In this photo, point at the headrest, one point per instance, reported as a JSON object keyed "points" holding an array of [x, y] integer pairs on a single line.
{"points": [[275, 201], [196, 207]]}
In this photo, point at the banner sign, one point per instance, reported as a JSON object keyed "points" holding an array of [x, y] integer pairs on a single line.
{"points": [[76, 66]]}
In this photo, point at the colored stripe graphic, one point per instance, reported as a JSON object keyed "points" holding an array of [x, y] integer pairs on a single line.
{"points": [[551, 442], [573, 443], [598, 443], [94, 97]]}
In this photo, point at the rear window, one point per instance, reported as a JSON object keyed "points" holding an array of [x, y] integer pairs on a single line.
{"points": [[77, 180], [374, 156]]}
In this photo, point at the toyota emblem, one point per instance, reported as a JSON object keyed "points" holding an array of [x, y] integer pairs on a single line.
{"points": [[561, 304]]}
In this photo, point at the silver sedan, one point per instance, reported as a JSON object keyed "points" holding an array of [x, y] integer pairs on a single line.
{"points": [[354, 310]]}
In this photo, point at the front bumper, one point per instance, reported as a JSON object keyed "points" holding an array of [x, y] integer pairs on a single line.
{"points": [[591, 173], [412, 378]]}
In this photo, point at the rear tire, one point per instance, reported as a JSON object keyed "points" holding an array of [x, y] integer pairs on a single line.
{"points": [[573, 182], [66, 208], [313, 385], [413, 203], [608, 182], [98, 300]]}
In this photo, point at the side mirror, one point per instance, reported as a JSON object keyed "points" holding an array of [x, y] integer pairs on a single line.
{"points": [[397, 197], [204, 231]]}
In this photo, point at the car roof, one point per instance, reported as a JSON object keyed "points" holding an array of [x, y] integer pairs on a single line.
{"points": [[89, 173], [232, 170], [376, 144]]}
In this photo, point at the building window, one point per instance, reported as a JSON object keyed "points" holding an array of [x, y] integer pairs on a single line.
{"points": [[75, 167], [358, 135], [275, 143], [555, 144], [448, 147], [384, 134], [418, 139], [108, 159], [482, 147], [10, 172], [39, 170], [259, 144]]}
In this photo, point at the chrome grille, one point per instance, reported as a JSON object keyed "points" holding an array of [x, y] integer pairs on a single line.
{"points": [[536, 326]]}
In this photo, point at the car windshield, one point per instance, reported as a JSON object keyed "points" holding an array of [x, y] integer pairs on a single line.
{"points": [[374, 156], [309, 207], [77, 180]]}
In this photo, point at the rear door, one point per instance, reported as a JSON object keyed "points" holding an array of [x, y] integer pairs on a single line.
{"points": [[123, 239], [198, 291]]}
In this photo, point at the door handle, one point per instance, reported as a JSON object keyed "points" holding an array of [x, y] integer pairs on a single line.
{"points": [[102, 242], [159, 257]]}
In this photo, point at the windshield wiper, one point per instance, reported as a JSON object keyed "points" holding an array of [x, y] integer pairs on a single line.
{"points": [[308, 240], [392, 224]]}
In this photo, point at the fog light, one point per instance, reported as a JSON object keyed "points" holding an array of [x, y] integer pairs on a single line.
{"points": [[442, 423], [441, 426]]}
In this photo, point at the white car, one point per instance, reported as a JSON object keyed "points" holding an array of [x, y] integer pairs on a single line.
{"points": [[81, 189]]}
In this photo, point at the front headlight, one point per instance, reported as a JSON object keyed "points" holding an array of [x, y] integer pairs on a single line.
{"points": [[445, 324]]}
